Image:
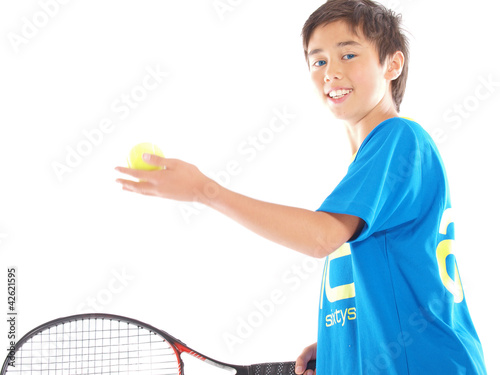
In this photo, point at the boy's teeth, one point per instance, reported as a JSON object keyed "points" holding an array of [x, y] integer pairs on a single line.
{"points": [[339, 93]]}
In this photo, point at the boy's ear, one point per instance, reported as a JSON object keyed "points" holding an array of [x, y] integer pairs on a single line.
{"points": [[395, 66]]}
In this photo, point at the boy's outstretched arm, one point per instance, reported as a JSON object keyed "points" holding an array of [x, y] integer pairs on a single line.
{"points": [[313, 233]]}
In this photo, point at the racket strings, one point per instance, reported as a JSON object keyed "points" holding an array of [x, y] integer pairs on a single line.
{"points": [[95, 346]]}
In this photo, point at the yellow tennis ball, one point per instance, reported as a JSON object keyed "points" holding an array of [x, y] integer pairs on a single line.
{"points": [[135, 156]]}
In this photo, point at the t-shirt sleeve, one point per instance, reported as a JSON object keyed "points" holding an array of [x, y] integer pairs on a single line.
{"points": [[382, 183]]}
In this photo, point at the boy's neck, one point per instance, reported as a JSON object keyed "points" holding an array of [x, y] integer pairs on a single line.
{"points": [[359, 130]]}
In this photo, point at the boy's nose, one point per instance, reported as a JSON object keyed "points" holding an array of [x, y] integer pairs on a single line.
{"points": [[331, 74]]}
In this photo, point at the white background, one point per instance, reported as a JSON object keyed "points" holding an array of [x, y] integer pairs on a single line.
{"points": [[81, 244]]}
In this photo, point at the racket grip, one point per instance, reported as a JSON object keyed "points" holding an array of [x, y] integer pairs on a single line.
{"points": [[278, 368]]}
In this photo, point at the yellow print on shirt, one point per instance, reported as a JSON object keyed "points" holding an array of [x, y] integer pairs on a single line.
{"points": [[340, 316], [443, 250], [339, 292]]}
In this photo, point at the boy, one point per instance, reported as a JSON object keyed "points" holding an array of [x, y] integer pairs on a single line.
{"points": [[392, 302]]}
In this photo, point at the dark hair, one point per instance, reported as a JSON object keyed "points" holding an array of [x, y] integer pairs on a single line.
{"points": [[378, 25]]}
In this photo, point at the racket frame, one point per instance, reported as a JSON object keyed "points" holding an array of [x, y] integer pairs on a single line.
{"points": [[177, 345]]}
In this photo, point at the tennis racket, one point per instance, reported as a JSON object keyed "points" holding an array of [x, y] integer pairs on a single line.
{"points": [[104, 344]]}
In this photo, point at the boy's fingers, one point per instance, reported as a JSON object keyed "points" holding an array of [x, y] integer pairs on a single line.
{"points": [[128, 185], [155, 160], [303, 360], [160, 161], [135, 187], [137, 173], [300, 366]]}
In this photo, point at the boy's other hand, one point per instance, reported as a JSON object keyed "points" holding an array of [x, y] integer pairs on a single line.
{"points": [[307, 354], [176, 180]]}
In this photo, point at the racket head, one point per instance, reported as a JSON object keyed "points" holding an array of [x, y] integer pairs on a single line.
{"points": [[94, 344]]}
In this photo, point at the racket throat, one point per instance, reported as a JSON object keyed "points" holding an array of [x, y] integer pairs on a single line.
{"points": [[231, 369]]}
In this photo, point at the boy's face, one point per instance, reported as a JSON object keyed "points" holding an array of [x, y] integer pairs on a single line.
{"points": [[347, 74]]}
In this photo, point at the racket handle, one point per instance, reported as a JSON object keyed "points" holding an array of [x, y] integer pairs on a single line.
{"points": [[278, 368]]}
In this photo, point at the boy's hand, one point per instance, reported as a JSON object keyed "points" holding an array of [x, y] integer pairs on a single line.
{"points": [[307, 354], [176, 180]]}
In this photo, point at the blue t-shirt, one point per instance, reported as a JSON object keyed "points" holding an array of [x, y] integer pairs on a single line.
{"points": [[392, 301]]}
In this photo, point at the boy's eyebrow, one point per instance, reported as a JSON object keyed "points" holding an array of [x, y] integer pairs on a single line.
{"points": [[349, 43], [339, 45]]}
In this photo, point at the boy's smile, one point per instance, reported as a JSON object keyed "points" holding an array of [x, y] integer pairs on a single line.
{"points": [[347, 74]]}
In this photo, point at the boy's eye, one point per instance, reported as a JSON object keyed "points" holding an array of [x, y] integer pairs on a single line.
{"points": [[349, 56], [320, 63]]}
